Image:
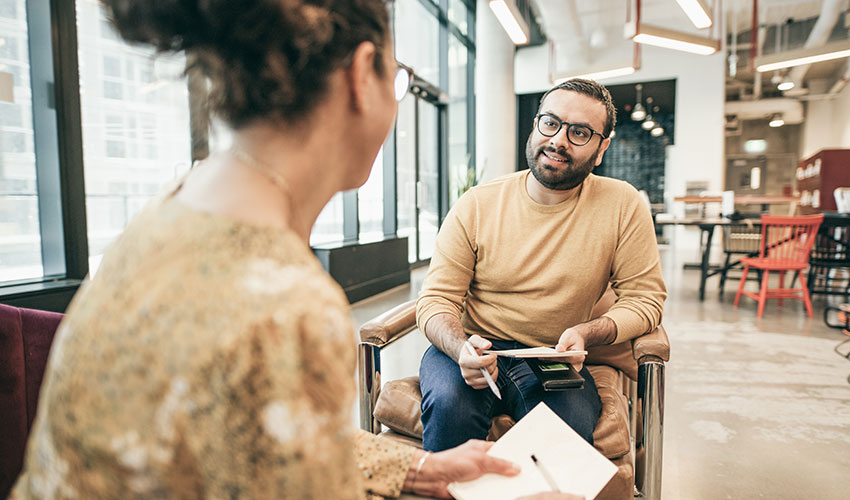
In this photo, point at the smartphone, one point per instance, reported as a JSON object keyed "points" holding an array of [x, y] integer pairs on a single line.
{"points": [[555, 376], [554, 367]]}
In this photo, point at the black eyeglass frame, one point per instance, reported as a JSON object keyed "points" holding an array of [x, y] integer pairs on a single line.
{"points": [[561, 124]]}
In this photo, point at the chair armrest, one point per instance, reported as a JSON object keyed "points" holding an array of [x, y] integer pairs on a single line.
{"points": [[390, 326], [654, 343]]}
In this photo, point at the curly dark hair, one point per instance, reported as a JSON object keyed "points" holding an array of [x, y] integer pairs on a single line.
{"points": [[266, 59], [591, 89]]}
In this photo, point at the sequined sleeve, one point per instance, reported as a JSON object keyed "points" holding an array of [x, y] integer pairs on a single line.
{"points": [[384, 464]]}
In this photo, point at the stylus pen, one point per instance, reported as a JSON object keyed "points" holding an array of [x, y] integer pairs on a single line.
{"points": [[549, 479], [484, 372]]}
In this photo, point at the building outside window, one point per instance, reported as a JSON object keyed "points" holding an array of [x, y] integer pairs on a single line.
{"points": [[20, 236], [135, 123]]}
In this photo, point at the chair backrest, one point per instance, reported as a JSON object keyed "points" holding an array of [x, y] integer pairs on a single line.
{"points": [[741, 238], [788, 238], [25, 339]]}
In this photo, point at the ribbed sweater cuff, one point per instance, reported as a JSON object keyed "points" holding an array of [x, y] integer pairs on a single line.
{"points": [[628, 324]]}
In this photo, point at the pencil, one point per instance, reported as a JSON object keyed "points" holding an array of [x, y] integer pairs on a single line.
{"points": [[484, 372]]}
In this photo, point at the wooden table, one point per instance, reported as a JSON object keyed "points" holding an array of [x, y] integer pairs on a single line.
{"points": [[707, 227], [742, 199]]}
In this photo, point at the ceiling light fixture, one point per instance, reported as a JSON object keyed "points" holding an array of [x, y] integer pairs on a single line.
{"points": [[676, 40], [785, 85], [799, 57], [649, 123], [638, 113], [507, 12], [776, 120], [607, 73], [697, 12], [657, 131]]}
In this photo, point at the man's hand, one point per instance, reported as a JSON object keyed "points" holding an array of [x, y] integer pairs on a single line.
{"points": [[599, 331], [470, 366], [571, 340], [463, 463]]}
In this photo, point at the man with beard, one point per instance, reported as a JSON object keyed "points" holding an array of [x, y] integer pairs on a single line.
{"points": [[520, 262]]}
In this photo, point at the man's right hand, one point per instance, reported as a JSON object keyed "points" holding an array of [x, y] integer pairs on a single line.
{"points": [[470, 366]]}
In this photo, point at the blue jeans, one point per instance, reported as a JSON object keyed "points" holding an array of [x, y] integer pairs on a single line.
{"points": [[453, 412]]}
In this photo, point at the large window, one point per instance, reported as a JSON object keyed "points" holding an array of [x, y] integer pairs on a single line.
{"points": [[370, 202], [20, 237], [135, 122], [417, 43], [460, 156], [92, 128]]}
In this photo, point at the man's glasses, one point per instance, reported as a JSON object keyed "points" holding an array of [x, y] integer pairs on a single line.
{"points": [[403, 79], [579, 135]]}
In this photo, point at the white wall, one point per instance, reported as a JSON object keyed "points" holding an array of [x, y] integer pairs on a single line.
{"points": [[700, 96], [827, 124], [495, 100]]}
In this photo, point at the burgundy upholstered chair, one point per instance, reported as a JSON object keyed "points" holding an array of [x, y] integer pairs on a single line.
{"points": [[25, 339]]}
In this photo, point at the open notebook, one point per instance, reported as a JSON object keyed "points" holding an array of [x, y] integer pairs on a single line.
{"points": [[535, 352], [573, 463]]}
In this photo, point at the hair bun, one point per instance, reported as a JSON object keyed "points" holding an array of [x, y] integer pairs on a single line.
{"points": [[165, 24]]}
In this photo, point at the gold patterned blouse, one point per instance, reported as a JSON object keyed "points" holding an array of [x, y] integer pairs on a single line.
{"points": [[207, 359]]}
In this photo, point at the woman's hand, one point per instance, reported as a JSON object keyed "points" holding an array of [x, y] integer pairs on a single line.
{"points": [[550, 495], [463, 463]]}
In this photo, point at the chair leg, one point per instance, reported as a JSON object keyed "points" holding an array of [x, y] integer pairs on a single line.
{"points": [[807, 301], [741, 285], [723, 273], [781, 285], [765, 277]]}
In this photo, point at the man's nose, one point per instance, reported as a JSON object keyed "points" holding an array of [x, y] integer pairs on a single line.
{"points": [[560, 140]]}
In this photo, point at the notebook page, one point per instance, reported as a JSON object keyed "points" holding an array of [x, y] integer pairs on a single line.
{"points": [[575, 464]]}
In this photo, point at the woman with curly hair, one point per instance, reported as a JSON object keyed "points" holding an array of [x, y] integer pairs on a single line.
{"points": [[211, 356]]}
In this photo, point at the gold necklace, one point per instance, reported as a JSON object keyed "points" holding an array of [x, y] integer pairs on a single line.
{"points": [[271, 174]]}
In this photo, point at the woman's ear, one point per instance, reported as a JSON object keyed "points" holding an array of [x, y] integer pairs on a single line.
{"points": [[362, 76]]}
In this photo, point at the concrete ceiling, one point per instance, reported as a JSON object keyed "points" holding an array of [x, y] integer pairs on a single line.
{"points": [[593, 23]]}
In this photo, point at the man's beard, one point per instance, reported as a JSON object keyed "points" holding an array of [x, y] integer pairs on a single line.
{"points": [[573, 174]]}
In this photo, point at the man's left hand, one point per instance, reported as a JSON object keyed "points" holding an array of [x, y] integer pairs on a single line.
{"points": [[571, 340], [599, 331]]}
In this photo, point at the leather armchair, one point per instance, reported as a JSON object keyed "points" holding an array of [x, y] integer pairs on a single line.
{"points": [[629, 377], [25, 339]]}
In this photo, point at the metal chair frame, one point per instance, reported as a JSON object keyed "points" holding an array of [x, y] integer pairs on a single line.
{"points": [[647, 394]]}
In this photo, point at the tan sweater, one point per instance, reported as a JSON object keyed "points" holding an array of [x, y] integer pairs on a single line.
{"points": [[513, 269]]}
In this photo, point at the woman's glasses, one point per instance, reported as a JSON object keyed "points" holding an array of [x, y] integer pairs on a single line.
{"points": [[403, 79]]}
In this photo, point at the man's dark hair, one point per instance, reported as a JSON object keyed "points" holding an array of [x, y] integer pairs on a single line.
{"points": [[590, 89], [265, 59]]}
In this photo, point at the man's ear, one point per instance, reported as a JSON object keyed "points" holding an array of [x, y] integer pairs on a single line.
{"points": [[361, 75], [603, 146]]}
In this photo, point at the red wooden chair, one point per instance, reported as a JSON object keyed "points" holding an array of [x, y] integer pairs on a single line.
{"points": [[786, 243]]}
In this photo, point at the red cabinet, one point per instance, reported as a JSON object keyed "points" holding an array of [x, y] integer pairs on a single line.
{"points": [[818, 176]]}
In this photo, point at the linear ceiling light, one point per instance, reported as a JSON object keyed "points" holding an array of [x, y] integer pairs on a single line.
{"points": [[596, 75], [697, 12], [676, 40], [799, 57], [511, 20]]}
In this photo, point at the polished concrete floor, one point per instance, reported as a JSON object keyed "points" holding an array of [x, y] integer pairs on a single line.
{"points": [[754, 408]]}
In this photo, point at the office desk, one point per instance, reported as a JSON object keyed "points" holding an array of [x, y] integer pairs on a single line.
{"points": [[707, 227]]}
